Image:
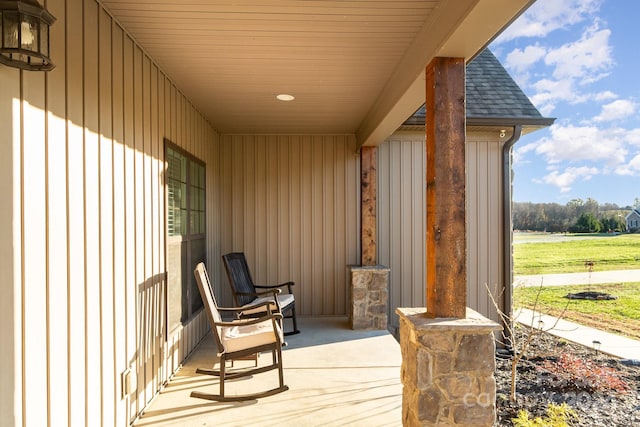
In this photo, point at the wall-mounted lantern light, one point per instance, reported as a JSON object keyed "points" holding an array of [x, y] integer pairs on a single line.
{"points": [[24, 35]]}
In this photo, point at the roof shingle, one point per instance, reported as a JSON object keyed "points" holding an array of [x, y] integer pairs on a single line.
{"points": [[492, 94]]}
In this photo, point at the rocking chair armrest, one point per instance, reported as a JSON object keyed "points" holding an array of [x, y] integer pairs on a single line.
{"points": [[246, 307], [250, 321], [229, 309], [266, 304], [287, 284], [273, 292]]}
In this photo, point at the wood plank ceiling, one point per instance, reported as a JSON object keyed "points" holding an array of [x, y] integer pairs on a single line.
{"points": [[231, 58]]}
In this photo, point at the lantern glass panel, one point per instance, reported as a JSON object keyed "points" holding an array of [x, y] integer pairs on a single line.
{"points": [[30, 39], [10, 29], [44, 39]]}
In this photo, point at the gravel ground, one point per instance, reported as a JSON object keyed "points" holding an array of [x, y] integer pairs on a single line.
{"points": [[536, 387]]}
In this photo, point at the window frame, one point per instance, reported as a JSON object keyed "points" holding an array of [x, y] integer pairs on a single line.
{"points": [[190, 302]]}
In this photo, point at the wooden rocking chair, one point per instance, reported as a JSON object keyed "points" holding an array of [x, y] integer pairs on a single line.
{"points": [[240, 338], [246, 294]]}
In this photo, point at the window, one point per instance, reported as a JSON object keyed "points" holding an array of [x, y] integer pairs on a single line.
{"points": [[186, 232]]}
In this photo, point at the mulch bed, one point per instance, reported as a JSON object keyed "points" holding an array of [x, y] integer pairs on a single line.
{"points": [[592, 397]]}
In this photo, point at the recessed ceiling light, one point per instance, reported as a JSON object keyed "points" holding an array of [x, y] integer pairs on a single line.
{"points": [[285, 97]]}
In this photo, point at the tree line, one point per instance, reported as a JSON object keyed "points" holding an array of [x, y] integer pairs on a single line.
{"points": [[577, 216]]}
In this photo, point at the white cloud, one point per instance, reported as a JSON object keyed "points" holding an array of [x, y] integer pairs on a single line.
{"points": [[616, 110], [604, 96], [560, 73], [606, 148], [547, 109], [633, 136], [583, 143], [546, 16], [565, 180], [630, 169], [573, 65], [520, 60], [585, 60], [635, 163], [549, 92], [518, 155]]}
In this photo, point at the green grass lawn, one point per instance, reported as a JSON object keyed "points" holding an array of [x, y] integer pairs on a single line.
{"points": [[536, 253], [543, 253], [620, 316]]}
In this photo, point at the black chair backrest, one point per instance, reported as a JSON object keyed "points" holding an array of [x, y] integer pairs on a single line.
{"points": [[239, 277]]}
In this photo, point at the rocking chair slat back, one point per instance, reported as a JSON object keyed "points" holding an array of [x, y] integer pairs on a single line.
{"points": [[240, 277]]}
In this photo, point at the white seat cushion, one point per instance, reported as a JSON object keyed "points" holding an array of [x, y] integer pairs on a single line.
{"points": [[241, 337], [283, 299]]}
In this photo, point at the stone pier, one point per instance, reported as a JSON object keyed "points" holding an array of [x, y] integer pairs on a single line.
{"points": [[447, 369], [369, 296]]}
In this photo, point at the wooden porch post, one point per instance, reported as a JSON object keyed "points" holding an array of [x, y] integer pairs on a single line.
{"points": [[368, 194], [369, 281], [445, 146]]}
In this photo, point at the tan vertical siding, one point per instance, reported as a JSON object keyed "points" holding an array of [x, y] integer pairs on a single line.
{"points": [[105, 116], [120, 315], [402, 219], [10, 251], [484, 215], [75, 189], [57, 242], [402, 216], [290, 203], [83, 268], [34, 251], [91, 217], [131, 344]]}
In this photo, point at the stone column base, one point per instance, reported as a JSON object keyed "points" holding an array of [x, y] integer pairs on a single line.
{"points": [[447, 369], [369, 296]]}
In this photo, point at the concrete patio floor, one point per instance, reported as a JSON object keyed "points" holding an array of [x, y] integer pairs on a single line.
{"points": [[336, 377]]}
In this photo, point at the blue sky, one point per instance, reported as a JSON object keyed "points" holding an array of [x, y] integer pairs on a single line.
{"points": [[578, 61]]}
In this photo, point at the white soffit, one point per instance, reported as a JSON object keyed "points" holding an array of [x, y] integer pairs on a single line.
{"points": [[352, 66]]}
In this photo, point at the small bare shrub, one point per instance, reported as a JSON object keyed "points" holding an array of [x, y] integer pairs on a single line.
{"points": [[520, 347]]}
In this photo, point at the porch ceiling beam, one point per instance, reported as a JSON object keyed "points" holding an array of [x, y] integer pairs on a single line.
{"points": [[459, 28]]}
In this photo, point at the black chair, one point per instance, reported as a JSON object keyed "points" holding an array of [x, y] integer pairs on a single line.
{"points": [[246, 293], [238, 339]]}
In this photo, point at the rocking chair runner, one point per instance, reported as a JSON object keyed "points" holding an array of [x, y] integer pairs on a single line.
{"points": [[240, 338], [245, 291]]}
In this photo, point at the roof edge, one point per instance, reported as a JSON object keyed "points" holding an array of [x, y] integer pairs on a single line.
{"points": [[510, 121], [495, 121]]}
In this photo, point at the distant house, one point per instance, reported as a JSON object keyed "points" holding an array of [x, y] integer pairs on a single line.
{"points": [[633, 220]]}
